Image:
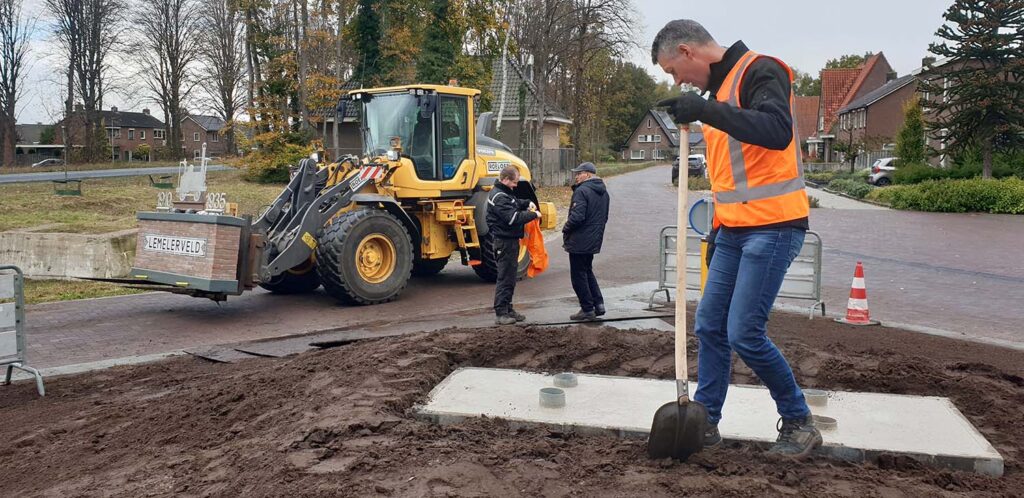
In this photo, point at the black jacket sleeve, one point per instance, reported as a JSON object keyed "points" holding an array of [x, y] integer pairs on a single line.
{"points": [[577, 212], [763, 117], [508, 211]]}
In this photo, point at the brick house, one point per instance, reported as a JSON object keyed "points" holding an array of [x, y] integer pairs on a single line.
{"points": [[126, 131], [935, 71], [806, 118], [878, 114], [197, 129], [656, 138], [840, 87]]}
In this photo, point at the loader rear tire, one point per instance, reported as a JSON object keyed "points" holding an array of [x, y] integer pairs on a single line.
{"points": [[364, 257], [294, 282], [488, 267], [428, 267]]}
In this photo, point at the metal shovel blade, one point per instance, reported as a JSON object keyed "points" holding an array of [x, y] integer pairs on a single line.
{"points": [[677, 430]]}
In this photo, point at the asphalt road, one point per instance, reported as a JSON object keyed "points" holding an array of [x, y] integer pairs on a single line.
{"points": [[99, 173], [954, 272]]}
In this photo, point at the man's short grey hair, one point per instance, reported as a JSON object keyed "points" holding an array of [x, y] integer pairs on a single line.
{"points": [[508, 173], [679, 31]]}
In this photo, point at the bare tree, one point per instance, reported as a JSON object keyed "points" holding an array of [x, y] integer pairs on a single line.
{"points": [[222, 52], [88, 31], [167, 46], [542, 31], [15, 31], [601, 28], [564, 39]]}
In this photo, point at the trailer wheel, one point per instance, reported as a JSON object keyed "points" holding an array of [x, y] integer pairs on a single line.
{"points": [[488, 267], [364, 257], [299, 280]]}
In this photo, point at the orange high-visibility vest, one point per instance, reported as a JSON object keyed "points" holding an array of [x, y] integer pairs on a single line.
{"points": [[753, 185]]}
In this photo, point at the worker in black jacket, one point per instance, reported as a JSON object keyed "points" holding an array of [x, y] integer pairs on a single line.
{"points": [[506, 217], [582, 236]]}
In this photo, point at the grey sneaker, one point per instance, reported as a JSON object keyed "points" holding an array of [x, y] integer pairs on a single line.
{"points": [[797, 437], [583, 316], [711, 436], [505, 320], [517, 315], [599, 310]]}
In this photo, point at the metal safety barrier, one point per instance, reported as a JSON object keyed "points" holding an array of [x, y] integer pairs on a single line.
{"points": [[12, 325], [802, 281]]}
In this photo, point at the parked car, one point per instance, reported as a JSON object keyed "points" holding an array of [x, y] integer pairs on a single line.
{"points": [[882, 171], [53, 161], [696, 166]]}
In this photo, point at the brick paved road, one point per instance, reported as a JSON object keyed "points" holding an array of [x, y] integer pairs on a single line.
{"points": [[955, 272]]}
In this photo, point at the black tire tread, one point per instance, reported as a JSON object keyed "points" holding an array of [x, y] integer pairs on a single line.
{"points": [[329, 253], [292, 283], [428, 267], [487, 270]]}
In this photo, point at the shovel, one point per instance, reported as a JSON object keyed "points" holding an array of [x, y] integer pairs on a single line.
{"points": [[678, 427]]}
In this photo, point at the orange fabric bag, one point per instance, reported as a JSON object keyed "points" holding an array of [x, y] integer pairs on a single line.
{"points": [[534, 241]]}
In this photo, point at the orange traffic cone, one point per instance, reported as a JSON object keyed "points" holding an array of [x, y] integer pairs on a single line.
{"points": [[857, 308]]}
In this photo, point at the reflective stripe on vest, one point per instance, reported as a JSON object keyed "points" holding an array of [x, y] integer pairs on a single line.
{"points": [[741, 191]]}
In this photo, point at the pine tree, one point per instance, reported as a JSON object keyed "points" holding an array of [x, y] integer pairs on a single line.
{"points": [[367, 41], [441, 47], [910, 146], [976, 97]]}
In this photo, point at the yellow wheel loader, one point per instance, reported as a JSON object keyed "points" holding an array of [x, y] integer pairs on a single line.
{"points": [[359, 226]]}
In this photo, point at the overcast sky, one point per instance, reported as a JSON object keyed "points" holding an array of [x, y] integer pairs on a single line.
{"points": [[804, 33]]}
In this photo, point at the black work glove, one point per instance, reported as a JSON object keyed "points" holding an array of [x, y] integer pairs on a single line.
{"points": [[686, 108]]}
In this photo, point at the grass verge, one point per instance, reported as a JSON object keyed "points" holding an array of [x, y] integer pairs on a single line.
{"points": [[45, 291], [110, 205]]}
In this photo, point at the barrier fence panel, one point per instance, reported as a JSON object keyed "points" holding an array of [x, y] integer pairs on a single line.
{"points": [[802, 281], [12, 325]]}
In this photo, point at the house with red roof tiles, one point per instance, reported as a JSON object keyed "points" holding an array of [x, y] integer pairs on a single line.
{"points": [[807, 117], [840, 87]]}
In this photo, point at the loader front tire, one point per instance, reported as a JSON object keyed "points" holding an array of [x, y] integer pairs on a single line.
{"points": [[299, 280], [364, 257], [488, 267]]}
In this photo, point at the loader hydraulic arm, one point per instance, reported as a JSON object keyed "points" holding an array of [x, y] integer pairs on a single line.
{"points": [[294, 219]]}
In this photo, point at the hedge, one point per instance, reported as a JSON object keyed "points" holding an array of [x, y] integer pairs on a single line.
{"points": [[959, 196], [916, 173], [853, 188], [267, 166]]}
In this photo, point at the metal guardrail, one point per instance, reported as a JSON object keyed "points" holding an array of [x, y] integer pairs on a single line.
{"points": [[12, 325], [802, 281]]}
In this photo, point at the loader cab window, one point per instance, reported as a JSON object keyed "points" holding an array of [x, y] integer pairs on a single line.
{"points": [[409, 117], [454, 135]]}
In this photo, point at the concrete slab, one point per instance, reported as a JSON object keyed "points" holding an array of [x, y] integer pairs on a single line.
{"points": [[645, 324], [928, 429]]}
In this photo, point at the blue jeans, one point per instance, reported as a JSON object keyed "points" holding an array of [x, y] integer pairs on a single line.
{"points": [[744, 278]]}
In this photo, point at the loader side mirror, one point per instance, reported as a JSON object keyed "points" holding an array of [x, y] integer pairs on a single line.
{"points": [[427, 103], [342, 107]]}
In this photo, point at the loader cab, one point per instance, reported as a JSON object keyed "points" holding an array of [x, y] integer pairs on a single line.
{"points": [[433, 128]]}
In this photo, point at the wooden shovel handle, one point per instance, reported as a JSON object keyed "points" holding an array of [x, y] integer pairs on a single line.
{"points": [[681, 229]]}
